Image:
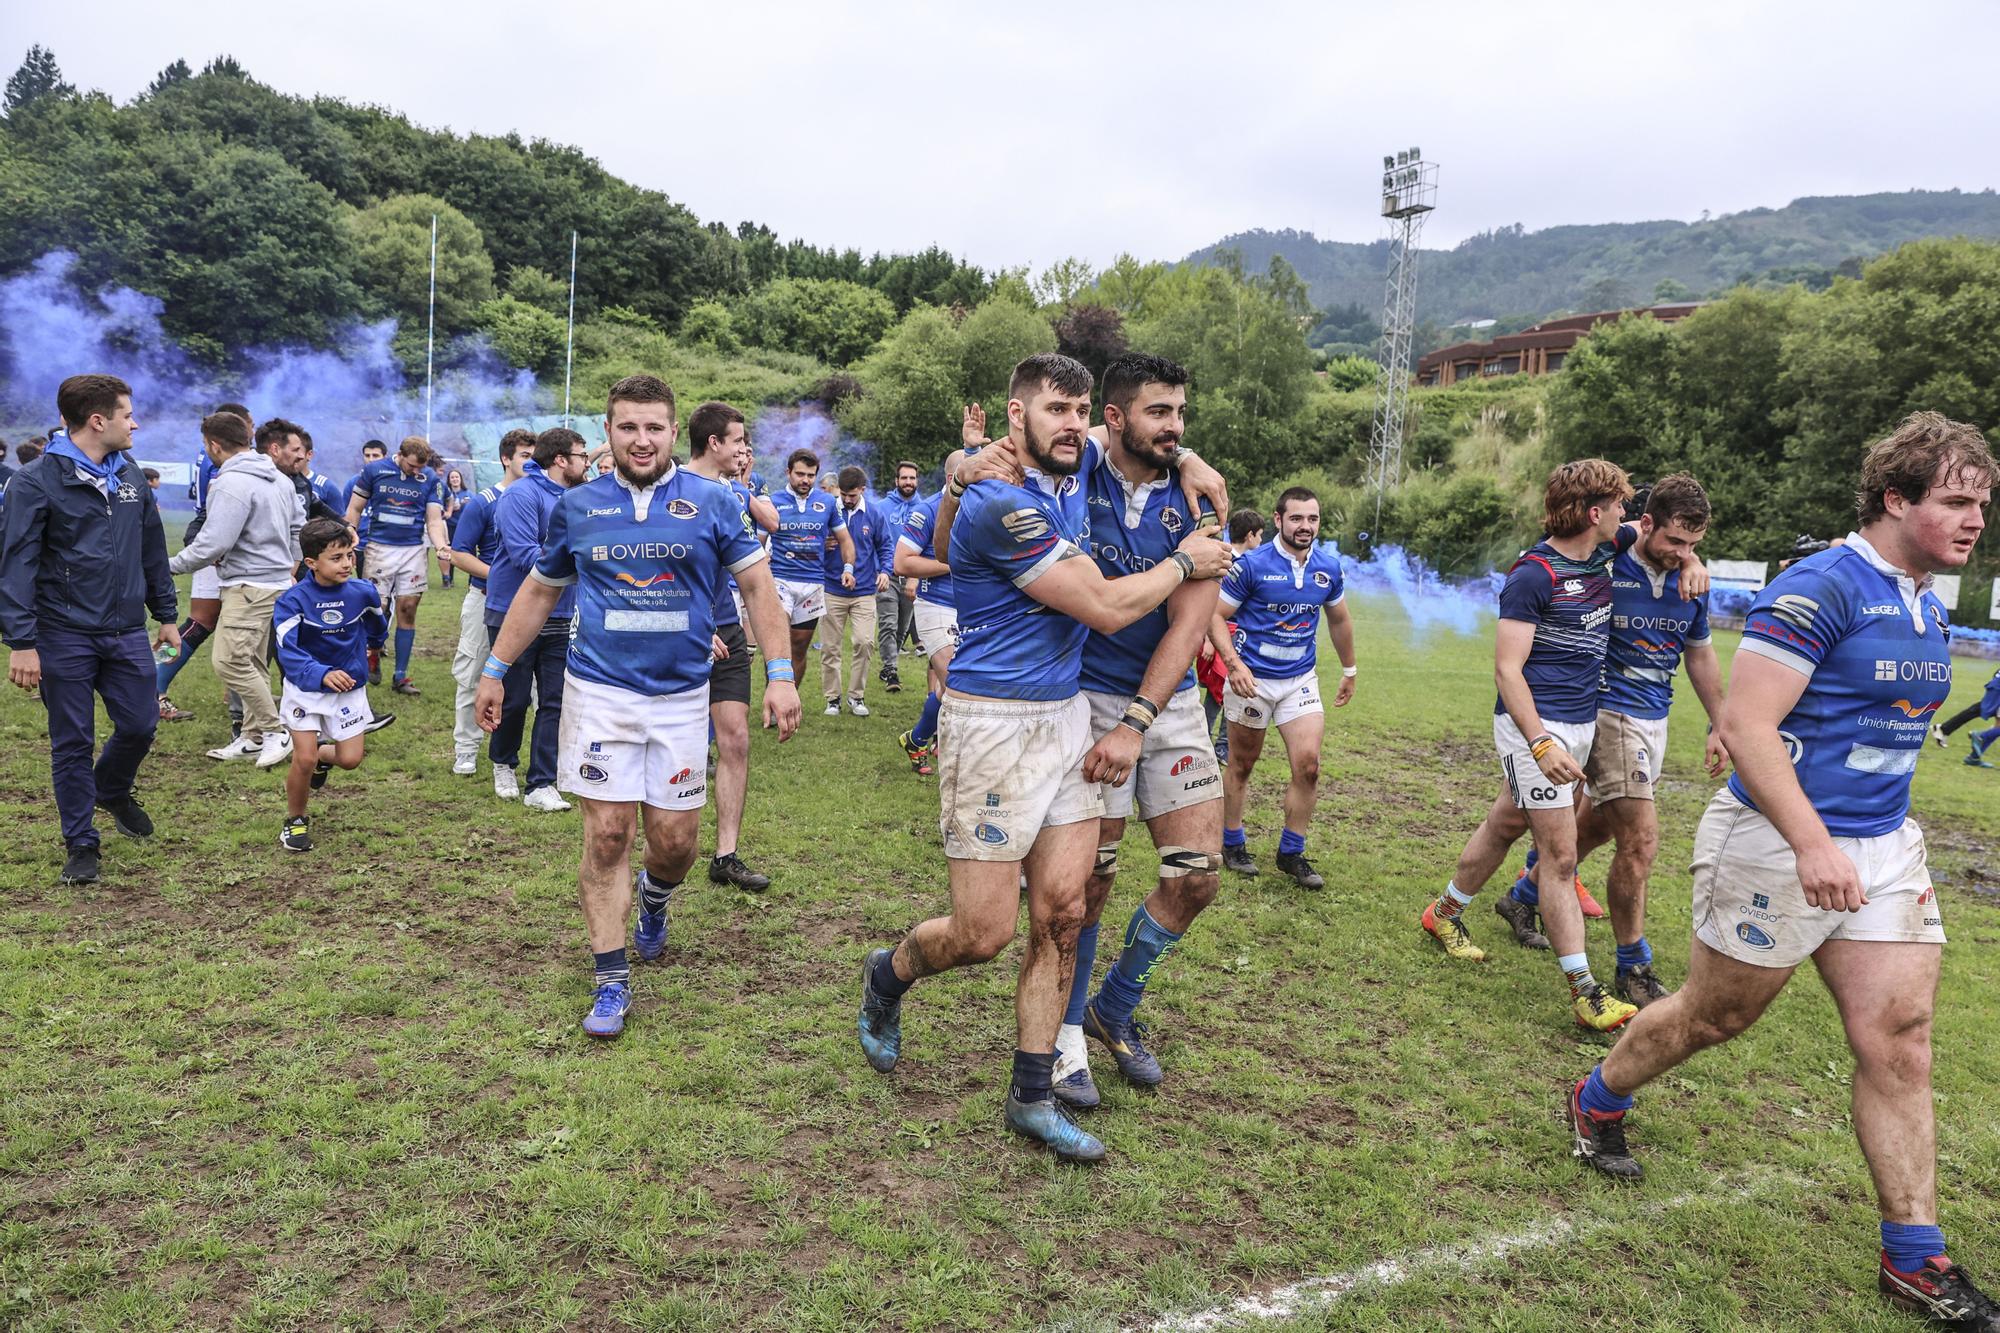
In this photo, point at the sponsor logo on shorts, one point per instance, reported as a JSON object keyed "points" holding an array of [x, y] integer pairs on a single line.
{"points": [[1208, 781], [298, 711], [1760, 900], [1181, 765], [1638, 777], [1252, 711], [992, 834], [592, 773], [1755, 937], [680, 777], [680, 508], [1924, 897], [992, 801], [597, 747]]}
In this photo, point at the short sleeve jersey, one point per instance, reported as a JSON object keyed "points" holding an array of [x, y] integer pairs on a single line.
{"points": [[1651, 627], [1011, 646], [396, 503], [1876, 648], [920, 535], [647, 566], [1132, 529], [204, 473], [347, 498], [1275, 602], [725, 598], [1569, 604], [475, 533], [805, 524]]}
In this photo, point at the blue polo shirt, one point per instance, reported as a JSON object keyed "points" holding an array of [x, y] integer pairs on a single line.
{"points": [[1276, 601], [521, 516], [1132, 529]]}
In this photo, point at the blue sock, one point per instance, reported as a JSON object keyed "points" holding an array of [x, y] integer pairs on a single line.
{"points": [[1524, 890], [1534, 855], [655, 895], [1633, 955], [1600, 1100], [1034, 1075], [1908, 1245], [611, 966], [1987, 737], [406, 639], [926, 721], [1147, 942], [1079, 985], [1290, 843], [1232, 837], [887, 984], [192, 634]]}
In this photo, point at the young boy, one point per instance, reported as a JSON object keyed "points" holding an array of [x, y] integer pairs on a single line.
{"points": [[326, 625]]}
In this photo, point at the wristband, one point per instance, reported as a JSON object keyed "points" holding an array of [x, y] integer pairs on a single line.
{"points": [[495, 669], [778, 668], [1350, 672], [955, 488], [1183, 562], [1541, 745], [1140, 714], [847, 568]]}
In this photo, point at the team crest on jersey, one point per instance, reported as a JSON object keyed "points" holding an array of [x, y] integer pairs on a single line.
{"points": [[1322, 579], [1024, 525], [1068, 486], [678, 507], [127, 493], [330, 617], [1170, 519], [1937, 618], [818, 507]]}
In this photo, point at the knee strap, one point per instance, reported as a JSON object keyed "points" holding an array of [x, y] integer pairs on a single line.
{"points": [[1107, 860], [1176, 862]]}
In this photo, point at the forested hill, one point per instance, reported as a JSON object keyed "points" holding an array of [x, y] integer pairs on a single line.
{"points": [[1513, 274]]}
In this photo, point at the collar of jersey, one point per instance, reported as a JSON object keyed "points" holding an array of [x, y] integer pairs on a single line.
{"points": [[1137, 493], [1912, 590], [642, 496]]}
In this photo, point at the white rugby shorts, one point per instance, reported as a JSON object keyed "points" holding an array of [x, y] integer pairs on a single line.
{"points": [[1177, 766], [802, 602], [936, 627], [620, 745], [337, 715], [1275, 703], [1526, 782], [1626, 757], [399, 571], [1009, 768]]}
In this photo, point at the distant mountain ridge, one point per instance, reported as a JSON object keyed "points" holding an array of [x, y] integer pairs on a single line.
{"points": [[1512, 274]]}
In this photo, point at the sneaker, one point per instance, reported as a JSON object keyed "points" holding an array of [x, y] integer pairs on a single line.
{"points": [[275, 750], [1592, 910], [729, 869], [1942, 1292], [892, 682], [1123, 1038], [377, 722], [856, 707], [1048, 1122], [1938, 738], [404, 685], [918, 755], [881, 1023], [169, 713], [1600, 1139], [1300, 869], [295, 838], [1451, 933], [1520, 918], [832, 708], [1637, 986], [320, 772], [505, 785], [1077, 1090], [81, 865], [649, 936], [1977, 746], [1974, 761], [132, 821], [237, 748], [1601, 1011], [1240, 860], [375, 674], [545, 799], [608, 1008], [465, 763]]}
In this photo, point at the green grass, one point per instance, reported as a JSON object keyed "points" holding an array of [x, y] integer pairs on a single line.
{"points": [[242, 1089]]}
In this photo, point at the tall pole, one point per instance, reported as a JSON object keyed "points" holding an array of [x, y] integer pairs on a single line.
{"points": [[430, 337], [1409, 193], [569, 354]]}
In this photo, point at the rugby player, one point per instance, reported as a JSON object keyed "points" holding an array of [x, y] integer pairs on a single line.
{"points": [[205, 588], [719, 449], [850, 593], [474, 542], [1016, 733], [372, 451], [404, 502], [895, 605], [1275, 594], [645, 547], [807, 520], [1652, 628], [1810, 851], [932, 615]]}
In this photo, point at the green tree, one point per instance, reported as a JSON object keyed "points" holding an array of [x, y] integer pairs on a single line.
{"points": [[913, 388], [38, 77], [178, 72], [709, 326], [539, 289], [993, 339], [392, 260], [1347, 373], [525, 334], [827, 318]]}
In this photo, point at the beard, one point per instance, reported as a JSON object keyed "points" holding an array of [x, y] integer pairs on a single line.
{"points": [[1303, 541], [1155, 450], [1043, 452], [640, 478]]}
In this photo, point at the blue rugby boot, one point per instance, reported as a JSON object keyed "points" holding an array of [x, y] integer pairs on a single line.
{"points": [[608, 1009], [1123, 1040], [881, 1025], [1077, 1091], [649, 936], [1048, 1123]]}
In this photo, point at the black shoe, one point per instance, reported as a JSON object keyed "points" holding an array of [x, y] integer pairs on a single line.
{"points": [[1300, 869], [1942, 1292], [731, 870], [1240, 860], [1638, 986], [1520, 919], [81, 865], [132, 821], [319, 775], [375, 675], [294, 837], [377, 722], [1600, 1139], [892, 682]]}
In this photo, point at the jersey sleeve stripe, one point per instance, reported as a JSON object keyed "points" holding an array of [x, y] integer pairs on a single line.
{"points": [[1783, 656], [1061, 550], [748, 561], [286, 627], [535, 572]]}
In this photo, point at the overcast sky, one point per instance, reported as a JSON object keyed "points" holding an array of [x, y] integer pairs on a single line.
{"points": [[1020, 135]]}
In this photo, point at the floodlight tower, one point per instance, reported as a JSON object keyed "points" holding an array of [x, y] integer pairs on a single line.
{"points": [[1409, 193]]}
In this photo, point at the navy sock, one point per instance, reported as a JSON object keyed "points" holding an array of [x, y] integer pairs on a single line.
{"points": [[1636, 954], [655, 894], [1908, 1245], [1524, 890], [1079, 985], [406, 639], [926, 721], [1146, 943], [1232, 837], [611, 966], [1534, 855], [1034, 1075], [887, 984], [1600, 1100], [1290, 843]]}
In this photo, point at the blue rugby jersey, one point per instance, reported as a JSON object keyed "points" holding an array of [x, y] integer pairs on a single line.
{"points": [[329, 494], [646, 566], [1989, 702], [1132, 529], [1276, 603], [805, 525], [874, 547], [1876, 646], [347, 498], [321, 629], [920, 535], [1651, 627], [396, 504], [724, 609], [204, 473], [1011, 646], [476, 533], [1569, 604]]}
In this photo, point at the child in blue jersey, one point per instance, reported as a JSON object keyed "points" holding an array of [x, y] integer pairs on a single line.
{"points": [[325, 624]]}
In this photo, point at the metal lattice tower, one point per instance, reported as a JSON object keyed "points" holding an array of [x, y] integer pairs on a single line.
{"points": [[1409, 193]]}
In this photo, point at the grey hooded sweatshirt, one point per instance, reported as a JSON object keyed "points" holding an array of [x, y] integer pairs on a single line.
{"points": [[252, 532]]}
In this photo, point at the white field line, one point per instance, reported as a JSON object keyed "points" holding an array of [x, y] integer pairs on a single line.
{"points": [[1298, 1298]]}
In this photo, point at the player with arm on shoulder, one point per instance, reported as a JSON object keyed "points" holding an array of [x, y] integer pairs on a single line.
{"points": [[475, 542]]}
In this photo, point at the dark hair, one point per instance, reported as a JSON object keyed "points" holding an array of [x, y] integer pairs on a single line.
{"points": [[305, 438], [798, 456], [320, 533], [1575, 488], [851, 478], [514, 441], [639, 389], [226, 429], [1291, 493], [906, 463], [710, 421], [273, 432], [1244, 522], [81, 397], [1910, 459], [553, 443], [366, 445], [27, 452], [236, 408], [1064, 374], [1133, 371], [1679, 498], [150, 473]]}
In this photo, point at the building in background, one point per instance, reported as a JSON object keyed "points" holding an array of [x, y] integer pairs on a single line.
{"points": [[1540, 350]]}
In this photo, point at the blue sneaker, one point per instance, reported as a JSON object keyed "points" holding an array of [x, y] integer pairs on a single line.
{"points": [[1048, 1122], [1077, 1091], [607, 1011], [1123, 1040], [881, 1025], [649, 936]]}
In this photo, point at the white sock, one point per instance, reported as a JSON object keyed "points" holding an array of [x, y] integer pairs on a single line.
{"points": [[1072, 1051], [1451, 892]]}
